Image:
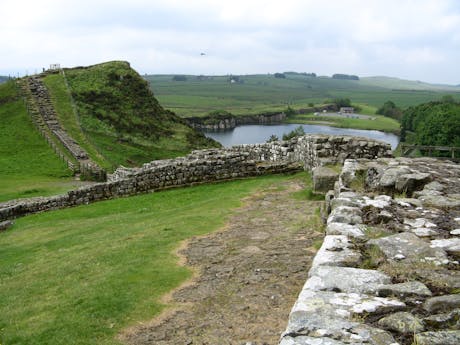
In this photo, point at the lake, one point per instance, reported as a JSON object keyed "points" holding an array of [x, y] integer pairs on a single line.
{"points": [[255, 134]]}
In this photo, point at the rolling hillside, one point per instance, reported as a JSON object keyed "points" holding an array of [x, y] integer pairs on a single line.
{"points": [[28, 166], [199, 95], [108, 109], [396, 84]]}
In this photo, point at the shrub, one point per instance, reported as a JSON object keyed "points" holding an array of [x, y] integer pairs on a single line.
{"points": [[298, 132]]}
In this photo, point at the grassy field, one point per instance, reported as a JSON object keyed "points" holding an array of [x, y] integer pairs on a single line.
{"points": [[378, 122], [28, 166], [80, 275], [259, 93]]}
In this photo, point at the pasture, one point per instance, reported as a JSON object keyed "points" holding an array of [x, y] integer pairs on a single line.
{"points": [[197, 96]]}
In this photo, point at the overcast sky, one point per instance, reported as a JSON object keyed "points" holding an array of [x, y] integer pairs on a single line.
{"points": [[410, 39]]}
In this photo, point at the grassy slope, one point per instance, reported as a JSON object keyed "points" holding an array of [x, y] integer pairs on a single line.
{"points": [[120, 118], [80, 275], [379, 122], [401, 84], [28, 166], [265, 93], [60, 96]]}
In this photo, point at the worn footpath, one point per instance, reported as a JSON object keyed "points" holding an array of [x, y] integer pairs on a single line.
{"points": [[247, 275]]}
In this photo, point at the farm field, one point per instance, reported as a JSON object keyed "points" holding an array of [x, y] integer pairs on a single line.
{"points": [[261, 93], [376, 122]]}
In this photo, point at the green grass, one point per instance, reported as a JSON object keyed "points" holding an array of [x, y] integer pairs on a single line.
{"points": [[118, 121], [378, 122], [260, 93], [28, 166], [366, 109], [61, 99], [307, 193], [81, 275]]}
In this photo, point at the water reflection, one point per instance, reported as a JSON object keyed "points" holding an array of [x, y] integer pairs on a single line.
{"points": [[253, 134]]}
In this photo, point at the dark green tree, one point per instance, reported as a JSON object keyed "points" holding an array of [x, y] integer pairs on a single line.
{"points": [[433, 123], [389, 109], [272, 138], [297, 132], [290, 111], [447, 99], [342, 102], [179, 78]]}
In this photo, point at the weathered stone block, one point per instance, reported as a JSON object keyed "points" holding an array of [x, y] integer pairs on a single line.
{"points": [[402, 322], [324, 179], [336, 251], [5, 225], [403, 290], [345, 279], [407, 246], [442, 303], [438, 338]]}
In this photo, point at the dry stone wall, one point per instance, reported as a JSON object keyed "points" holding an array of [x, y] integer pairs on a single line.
{"points": [[207, 166], [388, 270], [43, 114]]}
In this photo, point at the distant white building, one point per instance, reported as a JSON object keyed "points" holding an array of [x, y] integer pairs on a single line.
{"points": [[55, 66]]}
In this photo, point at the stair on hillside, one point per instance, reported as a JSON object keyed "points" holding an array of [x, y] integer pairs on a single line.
{"points": [[44, 115]]}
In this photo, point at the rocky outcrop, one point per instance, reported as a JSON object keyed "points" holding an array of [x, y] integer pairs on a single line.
{"points": [[227, 122], [388, 269]]}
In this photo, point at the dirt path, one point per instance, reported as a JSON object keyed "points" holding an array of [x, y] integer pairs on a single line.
{"points": [[248, 275]]}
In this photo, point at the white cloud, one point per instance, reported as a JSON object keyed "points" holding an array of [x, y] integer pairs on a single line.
{"points": [[410, 38]]}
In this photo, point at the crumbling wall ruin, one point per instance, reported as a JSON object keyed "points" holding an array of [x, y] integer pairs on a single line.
{"points": [[204, 166]]}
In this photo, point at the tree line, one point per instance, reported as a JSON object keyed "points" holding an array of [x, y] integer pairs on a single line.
{"points": [[434, 123]]}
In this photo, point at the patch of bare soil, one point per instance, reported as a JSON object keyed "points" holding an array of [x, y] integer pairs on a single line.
{"points": [[247, 276]]}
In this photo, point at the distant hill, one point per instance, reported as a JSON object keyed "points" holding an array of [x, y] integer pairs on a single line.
{"points": [[201, 95], [401, 84], [345, 76], [3, 79], [110, 111], [120, 119]]}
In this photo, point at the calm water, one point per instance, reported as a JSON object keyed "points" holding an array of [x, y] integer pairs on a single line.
{"points": [[253, 134]]}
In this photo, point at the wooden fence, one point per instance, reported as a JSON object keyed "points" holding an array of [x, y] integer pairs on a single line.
{"points": [[429, 150]]}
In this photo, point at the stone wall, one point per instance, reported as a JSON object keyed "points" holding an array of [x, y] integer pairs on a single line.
{"points": [[42, 112], [388, 270], [200, 167], [209, 166], [317, 150]]}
